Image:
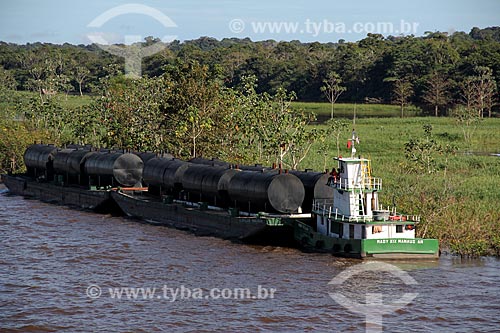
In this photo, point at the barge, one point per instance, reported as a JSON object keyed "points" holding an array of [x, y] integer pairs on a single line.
{"points": [[207, 200], [205, 220], [98, 200]]}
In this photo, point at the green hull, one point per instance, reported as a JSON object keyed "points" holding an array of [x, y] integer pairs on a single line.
{"points": [[386, 248]]}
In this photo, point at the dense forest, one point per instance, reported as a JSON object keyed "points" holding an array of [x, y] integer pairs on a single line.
{"points": [[434, 71]]}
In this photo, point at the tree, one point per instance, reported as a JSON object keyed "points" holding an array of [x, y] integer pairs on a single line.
{"points": [[195, 101], [479, 91], [81, 73], [131, 113], [336, 128], [289, 134], [7, 80], [421, 152], [7, 85], [436, 93], [486, 89], [468, 120], [266, 128], [402, 92], [333, 89], [468, 92]]}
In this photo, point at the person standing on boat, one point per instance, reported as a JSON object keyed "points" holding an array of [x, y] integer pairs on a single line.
{"points": [[333, 177]]}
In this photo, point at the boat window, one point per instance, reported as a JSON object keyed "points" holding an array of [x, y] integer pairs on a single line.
{"points": [[335, 227], [399, 228], [351, 231], [376, 229]]}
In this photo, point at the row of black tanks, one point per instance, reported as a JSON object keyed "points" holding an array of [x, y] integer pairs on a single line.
{"points": [[248, 188]]}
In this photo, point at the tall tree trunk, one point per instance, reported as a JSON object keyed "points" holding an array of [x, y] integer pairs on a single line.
{"points": [[194, 142], [436, 110]]}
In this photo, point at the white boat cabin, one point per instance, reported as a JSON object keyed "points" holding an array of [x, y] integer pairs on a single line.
{"points": [[354, 212]]}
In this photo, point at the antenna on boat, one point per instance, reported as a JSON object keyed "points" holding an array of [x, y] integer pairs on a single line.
{"points": [[353, 141]]}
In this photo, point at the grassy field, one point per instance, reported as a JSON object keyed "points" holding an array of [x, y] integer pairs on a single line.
{"points": [[17, 100], [342, 110]]}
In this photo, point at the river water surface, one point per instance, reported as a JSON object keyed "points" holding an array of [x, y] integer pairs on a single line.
{"points": [[61, 270]]}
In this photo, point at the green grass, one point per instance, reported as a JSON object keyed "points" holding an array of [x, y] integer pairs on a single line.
{"points": [[16, 101], [342, 110]]}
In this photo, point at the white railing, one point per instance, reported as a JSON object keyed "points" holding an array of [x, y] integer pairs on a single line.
{"points": [[367, 183], [325, 207], [403, 218]]}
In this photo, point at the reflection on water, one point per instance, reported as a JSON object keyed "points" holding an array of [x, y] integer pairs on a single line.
{"points": [[50, 255]]}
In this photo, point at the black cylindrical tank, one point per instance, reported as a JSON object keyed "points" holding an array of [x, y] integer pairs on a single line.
{"points": [[269, 191], [315, 187], [255, 167], [207, 183], [39, 160], [152, 174], [40, 156], [70, 163], [165, 172], [174, 171], [125, 169], [146, 156], [76, 161], [212, 162], [61, 160]]}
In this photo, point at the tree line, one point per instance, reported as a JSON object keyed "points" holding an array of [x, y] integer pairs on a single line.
{"points": [[435, 71]]}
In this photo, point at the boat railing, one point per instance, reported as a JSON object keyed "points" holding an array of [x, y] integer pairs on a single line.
{"points": [[325, 207], [404, 218], [366, 183]]}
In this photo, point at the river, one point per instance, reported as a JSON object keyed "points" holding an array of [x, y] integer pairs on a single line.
{"points": [[63, 270]]}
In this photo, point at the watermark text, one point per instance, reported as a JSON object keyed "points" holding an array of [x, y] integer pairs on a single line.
{"points": [[173, 294], [322, 27]]}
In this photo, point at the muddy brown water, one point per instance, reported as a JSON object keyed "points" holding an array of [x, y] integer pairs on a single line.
{"points": [[54, 260]]}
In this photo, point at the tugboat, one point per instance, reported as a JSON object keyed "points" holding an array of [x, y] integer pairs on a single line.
{"points": [[353, 224]]}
